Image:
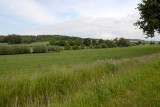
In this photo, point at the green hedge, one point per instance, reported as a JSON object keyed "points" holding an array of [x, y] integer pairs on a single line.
{"points": [[40, 49], [14, 49]]}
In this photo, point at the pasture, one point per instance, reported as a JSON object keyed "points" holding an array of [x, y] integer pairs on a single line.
{"points": [[91, 77]]}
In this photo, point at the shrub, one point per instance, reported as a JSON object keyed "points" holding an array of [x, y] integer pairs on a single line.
{"points": [[51, 48], [21, 49], [75, 47], [14, 49], [103, 45], [67, 47], [6, 50], [123, 42], [58, 49], [40, 49], [98, 46], [82, 47]]}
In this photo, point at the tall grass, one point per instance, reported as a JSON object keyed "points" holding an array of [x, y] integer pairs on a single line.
{"points": [[83, 85]]}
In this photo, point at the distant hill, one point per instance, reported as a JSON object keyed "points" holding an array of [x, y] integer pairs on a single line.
{"points": [[143, 41]]}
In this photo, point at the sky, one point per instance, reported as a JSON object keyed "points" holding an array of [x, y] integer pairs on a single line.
{"points": [[103, 19]]}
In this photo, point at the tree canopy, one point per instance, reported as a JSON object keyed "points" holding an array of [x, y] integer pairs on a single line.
{"points": [[149, 20]]}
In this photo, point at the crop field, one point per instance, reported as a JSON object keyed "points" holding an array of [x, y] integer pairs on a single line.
{"points": [[127, 76]]}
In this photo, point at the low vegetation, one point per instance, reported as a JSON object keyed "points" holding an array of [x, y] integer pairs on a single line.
{"points": [[103, 83]]}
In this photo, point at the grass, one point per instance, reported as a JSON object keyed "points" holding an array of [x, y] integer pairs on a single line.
{"points": [[130, 79], [66, 59]]}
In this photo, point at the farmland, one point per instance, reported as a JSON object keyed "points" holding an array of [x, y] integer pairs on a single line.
{"points": [[119, 76]]}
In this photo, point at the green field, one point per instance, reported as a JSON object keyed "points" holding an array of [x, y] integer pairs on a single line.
{"points": [[80, 78]]}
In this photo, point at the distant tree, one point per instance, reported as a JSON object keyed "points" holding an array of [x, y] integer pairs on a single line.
{"points": [[75, 47], [62, 43], [67, 47], [149, 17], [152, 43], [103, 45], [87, 42], [14, 39], [94, 42], [116, 39], [71, 42], [111, 44], [123, 42], [53, 42], [138, 43], [26, 40], [101, 41], [78, 42]]}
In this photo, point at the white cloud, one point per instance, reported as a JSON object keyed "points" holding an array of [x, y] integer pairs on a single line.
{"points": [[28, 10], [102, 27]]}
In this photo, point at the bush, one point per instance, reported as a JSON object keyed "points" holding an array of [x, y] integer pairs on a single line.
{"points": [[123, 42], [67, 47], [14, 49], [82, 47], [40, 49], [75, 47], [51, 48], [21, 49], [6, 50], [103, 45], [98, 46]]}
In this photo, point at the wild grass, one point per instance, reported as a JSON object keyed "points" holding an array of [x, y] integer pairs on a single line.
{"points": [[125, 77], [103, 83], [28, 63]]}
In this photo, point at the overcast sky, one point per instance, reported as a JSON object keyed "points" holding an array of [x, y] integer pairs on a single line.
{"points": [[104, 19]]}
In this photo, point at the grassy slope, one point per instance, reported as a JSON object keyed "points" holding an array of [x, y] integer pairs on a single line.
{"points": [[26, 63], [124, 82]]}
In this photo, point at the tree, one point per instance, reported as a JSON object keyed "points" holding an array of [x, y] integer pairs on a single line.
{"points": [[94, 42], [67, 47], [149, 20], [123, 42], [14, 39], [78, 42], [101, 41], [87, 42], [62, 43], [53, 42]]}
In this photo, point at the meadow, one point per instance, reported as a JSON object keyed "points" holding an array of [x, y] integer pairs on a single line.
{"points": [[127, 76]]}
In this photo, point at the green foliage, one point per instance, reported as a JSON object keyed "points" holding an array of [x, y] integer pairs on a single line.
{"points": [[53, 42], [101, 41], [149, 17], [14, 49], [152, 43], [21, 49], [6, 50], [75, 47], [67, 47], [51, 48], [138, 43], [14, 39], [87, 42], [78, 42], [123, 42], [40, 49], [82, 47], [103, 45], [111, 44], [62, 43], [98, 46], [71, 42], [94, 42]]}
